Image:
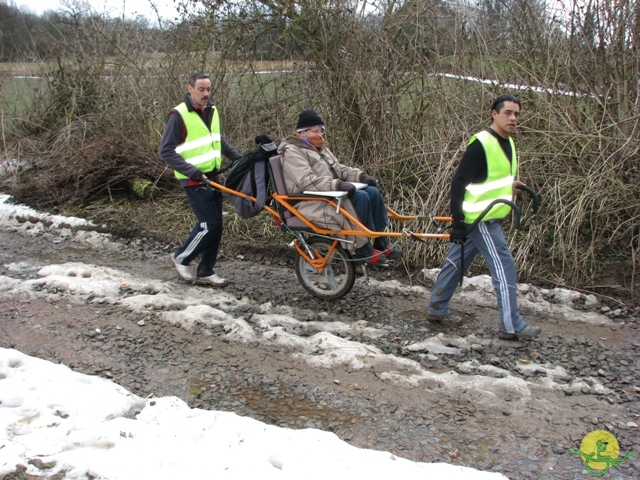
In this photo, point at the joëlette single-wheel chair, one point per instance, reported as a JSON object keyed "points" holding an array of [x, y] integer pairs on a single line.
{"points": [[324, 267]]}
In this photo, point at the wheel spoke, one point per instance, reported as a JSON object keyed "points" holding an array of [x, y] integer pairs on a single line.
{"points": [[328, 273]]}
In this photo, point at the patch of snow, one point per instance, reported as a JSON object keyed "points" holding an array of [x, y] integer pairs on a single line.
{"points": [[92, 428]]}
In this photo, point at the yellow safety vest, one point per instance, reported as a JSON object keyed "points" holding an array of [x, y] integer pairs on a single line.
{"points": [[202, 147], [501, 174]]}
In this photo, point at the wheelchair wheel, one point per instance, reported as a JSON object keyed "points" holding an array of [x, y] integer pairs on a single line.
{"points": [[337, 277]]}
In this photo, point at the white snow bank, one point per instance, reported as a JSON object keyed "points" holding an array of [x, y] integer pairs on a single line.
{"points": [[93, 428]]}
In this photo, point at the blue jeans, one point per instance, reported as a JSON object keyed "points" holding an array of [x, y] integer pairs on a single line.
{"points": [[370, 207], [487, 239], [205, 237]]}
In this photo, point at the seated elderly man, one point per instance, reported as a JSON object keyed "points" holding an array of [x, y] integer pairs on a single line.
{"points": [[307, 164]]}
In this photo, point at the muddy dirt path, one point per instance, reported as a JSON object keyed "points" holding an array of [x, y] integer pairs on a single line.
{"points": [[420, 391]]}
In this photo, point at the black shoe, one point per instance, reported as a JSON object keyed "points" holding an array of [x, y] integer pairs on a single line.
{"points": [[363, 253], [378, 259], [384, 245], [381, 243], [391, 252], [369, 255], [448, 319]]}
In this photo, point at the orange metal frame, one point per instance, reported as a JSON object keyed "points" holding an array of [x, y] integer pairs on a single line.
{"points": [[286, 202], [320, 262]]}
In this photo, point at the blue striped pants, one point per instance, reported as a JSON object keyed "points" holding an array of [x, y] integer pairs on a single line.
{"points": [[488, 240]]}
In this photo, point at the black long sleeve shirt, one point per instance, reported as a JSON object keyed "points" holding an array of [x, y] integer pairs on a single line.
{"points": [[175, 134], [472, 169]]}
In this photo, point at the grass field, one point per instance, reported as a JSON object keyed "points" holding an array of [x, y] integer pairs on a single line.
{"points": [[12, 69], [14, 98]]}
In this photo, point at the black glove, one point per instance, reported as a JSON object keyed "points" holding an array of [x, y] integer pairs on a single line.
{"points": [[458, 233], [266, 145], [197, 176], [350, 188], [369, 180]]}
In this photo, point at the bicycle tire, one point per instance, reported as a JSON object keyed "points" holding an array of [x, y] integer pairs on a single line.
{"points": [[338, 276]]}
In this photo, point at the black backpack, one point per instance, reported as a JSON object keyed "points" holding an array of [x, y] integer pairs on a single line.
{"points": [[249, 175]]}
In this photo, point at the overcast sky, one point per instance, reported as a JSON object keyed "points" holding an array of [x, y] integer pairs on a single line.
{"points": [[131, 8], [166, 8]]}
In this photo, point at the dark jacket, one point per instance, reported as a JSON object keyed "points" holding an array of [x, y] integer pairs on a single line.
{"points": [[175, 134]]}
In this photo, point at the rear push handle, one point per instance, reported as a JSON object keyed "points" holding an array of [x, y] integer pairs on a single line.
{"points": [[516, 214], [534, 196]]}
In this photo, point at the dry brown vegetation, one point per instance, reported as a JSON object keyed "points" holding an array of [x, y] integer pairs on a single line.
{"points": [[376, 77]]}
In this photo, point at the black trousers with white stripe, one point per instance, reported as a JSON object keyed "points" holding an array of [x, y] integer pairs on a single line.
{"points": [[205, 237]]}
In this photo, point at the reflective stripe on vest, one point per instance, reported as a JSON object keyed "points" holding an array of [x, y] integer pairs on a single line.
{"points": [[498, 185], [202, 148]]}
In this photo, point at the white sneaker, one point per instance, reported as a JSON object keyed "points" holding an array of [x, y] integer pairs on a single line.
{"points": [[214, 280], [183, 270]]}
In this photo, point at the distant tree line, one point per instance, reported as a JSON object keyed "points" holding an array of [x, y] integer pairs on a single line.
{"points": [[26, 36]]}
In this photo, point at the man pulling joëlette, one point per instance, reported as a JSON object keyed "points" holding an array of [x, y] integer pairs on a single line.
{"points": [[487, 172], [192, 144]]}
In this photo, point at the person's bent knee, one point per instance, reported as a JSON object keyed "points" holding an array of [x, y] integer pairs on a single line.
{"points": [[361, 197], [373, 193]]}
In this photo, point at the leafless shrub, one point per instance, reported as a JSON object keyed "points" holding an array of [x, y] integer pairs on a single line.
{"points": [[402, 86]]}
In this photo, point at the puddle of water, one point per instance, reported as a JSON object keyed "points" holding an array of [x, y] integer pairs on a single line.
{"points": [[62, 252], [276, 403], [417, 319], [481, 450], [198, 386], [414, 315]]}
